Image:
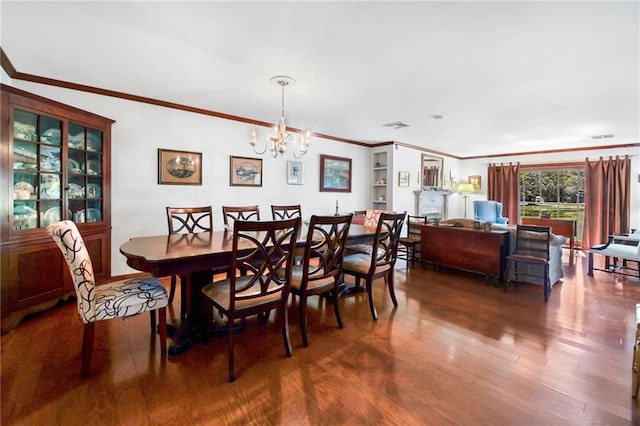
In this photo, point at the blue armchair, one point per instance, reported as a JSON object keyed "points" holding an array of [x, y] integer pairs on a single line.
{"points": [[489, 211]]}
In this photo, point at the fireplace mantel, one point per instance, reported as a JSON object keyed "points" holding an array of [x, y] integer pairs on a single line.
{"points": [[432, 203]]}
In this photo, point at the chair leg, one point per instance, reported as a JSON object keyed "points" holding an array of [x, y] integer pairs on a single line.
{"points": [[335, 296], [162, 314], [302, 307], [87, 348], [232, 374], [372, 306], [547, 283], [152, 317], [172, 290], [284, 315], [183, 297], [392, 291]]}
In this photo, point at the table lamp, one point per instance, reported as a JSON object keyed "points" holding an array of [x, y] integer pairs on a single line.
{"points": [[465, 189]]}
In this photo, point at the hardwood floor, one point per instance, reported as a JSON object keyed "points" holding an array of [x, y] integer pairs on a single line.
{"points": [[455, 351]]}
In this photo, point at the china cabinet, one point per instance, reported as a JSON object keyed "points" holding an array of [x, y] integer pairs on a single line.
{"points": [[381, 179], [55, 166]]}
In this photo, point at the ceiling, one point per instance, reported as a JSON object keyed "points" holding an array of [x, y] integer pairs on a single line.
{"points": [[507, 77]]}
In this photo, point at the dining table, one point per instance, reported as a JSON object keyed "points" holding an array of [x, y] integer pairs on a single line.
{"points": [[193, 256]]}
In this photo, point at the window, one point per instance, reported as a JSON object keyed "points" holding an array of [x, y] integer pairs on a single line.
{"points": [[553, 192]]}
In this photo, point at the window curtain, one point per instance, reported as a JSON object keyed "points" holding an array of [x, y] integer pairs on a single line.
{"points": [[503, 186], [606, 199]]}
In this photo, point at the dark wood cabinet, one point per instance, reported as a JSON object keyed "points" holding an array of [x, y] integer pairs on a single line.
{"points": [[465, 248], [55, 165]]}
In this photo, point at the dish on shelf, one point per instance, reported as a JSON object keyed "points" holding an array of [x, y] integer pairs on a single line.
{"points": [[50, 188], [51, 135], [22, 191], [73, 166], [92, 215], [75, 191], [94, 167], [93, 191], [24, 131], [24, 155], [76, 141], [22, 209], [50, 216]]}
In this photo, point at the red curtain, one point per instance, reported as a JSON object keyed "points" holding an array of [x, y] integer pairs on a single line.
{"points": [[503, 186], [606, 199]]}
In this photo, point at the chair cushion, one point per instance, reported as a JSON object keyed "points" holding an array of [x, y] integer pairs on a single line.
{"points": [[219, 292], [360, 264], [122, 299], [296, 280]]}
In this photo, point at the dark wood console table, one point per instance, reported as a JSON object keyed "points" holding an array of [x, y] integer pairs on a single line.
{"points": [[564, 227], [465, 248]]}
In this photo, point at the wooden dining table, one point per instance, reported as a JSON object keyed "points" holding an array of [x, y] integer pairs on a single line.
{"points": [[193, 256]]}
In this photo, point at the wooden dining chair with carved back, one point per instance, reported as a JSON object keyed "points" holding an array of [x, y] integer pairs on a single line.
{"points": [[285, 212], [119, 299], [380, 263], [321, 268], [232, 213], [265, 249], [188, 220]]}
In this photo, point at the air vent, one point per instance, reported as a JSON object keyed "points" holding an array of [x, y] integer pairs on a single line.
{"points": [[609, 136], [396, 125]]}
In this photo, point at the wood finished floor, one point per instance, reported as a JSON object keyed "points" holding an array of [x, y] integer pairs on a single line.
{"points": [[455, 351]]}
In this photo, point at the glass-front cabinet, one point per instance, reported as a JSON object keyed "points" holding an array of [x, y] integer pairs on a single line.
{"points": [[53, 182], [55, 166]]}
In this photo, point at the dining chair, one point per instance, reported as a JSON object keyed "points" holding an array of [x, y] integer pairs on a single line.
{"points": [[285, 212], [120, 299], [187, 220], [381, 261], [265, 249], [321, 267], [408, 244], [530, 258], [232, 213]]}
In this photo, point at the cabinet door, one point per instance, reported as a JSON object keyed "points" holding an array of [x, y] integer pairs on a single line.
{"points": [[37, 171], [85, 165]]}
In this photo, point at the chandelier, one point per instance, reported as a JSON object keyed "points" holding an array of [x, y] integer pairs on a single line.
{"points": [[279, 138]]}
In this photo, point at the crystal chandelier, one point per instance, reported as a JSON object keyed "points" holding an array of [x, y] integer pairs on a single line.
{"points": [[279, 138]]}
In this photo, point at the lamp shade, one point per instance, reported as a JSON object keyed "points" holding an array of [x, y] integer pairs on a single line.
{"points": [[466, 188]]}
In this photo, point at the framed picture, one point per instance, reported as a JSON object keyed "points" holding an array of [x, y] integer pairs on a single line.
{"points": [[403, 178], [245, 171], [335, 174], [179, 167], [294, 172], [475, 181]]}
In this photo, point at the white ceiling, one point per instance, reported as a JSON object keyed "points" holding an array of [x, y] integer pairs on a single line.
{"points": [[508, 76]]}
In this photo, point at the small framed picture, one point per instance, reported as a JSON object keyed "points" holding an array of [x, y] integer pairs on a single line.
{"points": [[294, 172], [335, 174], [245, 171], [403, 178], [179, 167], [475, 181]]}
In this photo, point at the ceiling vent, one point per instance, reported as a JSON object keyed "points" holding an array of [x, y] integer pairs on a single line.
{"points": [[396, 125], [609, 136]]}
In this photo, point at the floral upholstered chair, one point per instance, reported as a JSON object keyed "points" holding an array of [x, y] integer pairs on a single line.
{"points": [[120, 299]]}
